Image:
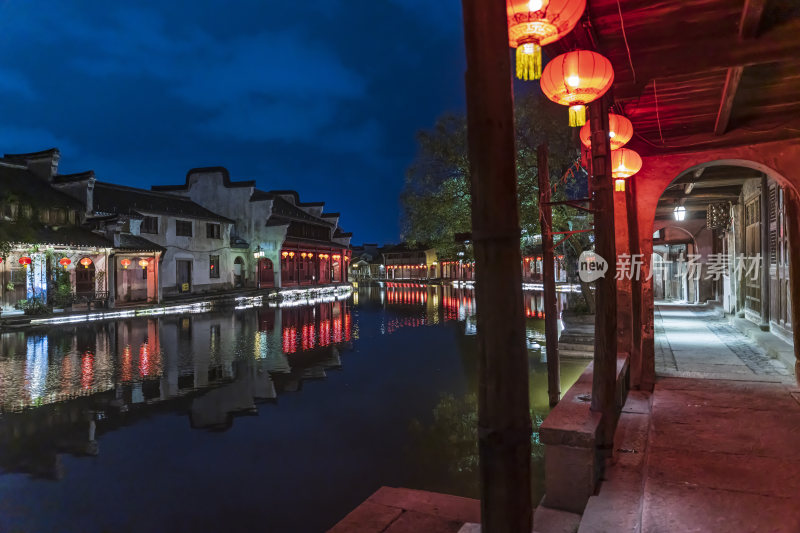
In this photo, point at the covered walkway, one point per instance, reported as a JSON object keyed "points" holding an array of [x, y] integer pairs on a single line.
{"points": [[713, 447]]}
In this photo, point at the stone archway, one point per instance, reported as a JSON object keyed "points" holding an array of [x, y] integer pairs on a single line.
{"points": [[780, 161]]}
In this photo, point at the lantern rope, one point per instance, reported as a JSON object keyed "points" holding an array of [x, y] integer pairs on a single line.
{"points": [[658, 115], [625, 38]]}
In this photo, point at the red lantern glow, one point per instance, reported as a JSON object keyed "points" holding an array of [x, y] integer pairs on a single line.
{"points": [[303, 255], [620, 131], [86, 262], [337, 256], [291, 254], [310, 255], [536, 23], [625, 163], [64, 261], [284, 254], [575, 79], [125, 263], [143, 263], [25, 261]]}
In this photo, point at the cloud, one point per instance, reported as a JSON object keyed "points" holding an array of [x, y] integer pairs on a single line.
{"points": [[13, 83], [21, 140]]}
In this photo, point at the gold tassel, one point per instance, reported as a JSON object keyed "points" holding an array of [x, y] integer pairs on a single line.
{"points": [[529, 61], [577, 115], [619, 185]]}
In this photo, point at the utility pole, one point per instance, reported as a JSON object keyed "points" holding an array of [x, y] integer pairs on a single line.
{"points": [[548, 272], [504, 424]]}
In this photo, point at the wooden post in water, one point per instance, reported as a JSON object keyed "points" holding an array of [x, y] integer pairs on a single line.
{"points": [[793, 220], [548, 271], [504, 425], [605, 325]]}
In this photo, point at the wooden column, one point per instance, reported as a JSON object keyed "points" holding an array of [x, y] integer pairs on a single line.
{"points": [[548, 271], [793, 221], [637, 324], [624, 285], [764, 227], [605, 325], [504, 432]]}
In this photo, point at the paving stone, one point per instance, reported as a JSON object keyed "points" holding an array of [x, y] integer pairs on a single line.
{"points": [[367, 518], [444, 505], [547, 520], [415, 522], [671, 508]]}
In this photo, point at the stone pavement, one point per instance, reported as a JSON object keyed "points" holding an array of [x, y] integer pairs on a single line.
{"points": [[696, 341], [714, 447]]}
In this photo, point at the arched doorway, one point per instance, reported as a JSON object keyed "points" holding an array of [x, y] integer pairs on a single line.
{"points": [[85, 277], [238, 272], [674, 176], [266, 273]]}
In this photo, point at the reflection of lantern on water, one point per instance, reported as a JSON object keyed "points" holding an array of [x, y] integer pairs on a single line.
{"points": [[87, 369]]}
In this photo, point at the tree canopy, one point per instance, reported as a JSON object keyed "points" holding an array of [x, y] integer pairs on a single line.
{"points": [[436, 196]]}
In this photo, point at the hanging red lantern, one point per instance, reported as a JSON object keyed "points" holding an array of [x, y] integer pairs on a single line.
{"points": [[303, 255], [337, 257], [125, 263], [575, 79], [65, 262], [284, 254], [310, 255], [291, 255], [25, 261], [143, 262], [536, 23], [86, 262], [624, 164], [620, 131]]}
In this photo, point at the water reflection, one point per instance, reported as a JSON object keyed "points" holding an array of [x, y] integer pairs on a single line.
{"points": [[400, 413]]}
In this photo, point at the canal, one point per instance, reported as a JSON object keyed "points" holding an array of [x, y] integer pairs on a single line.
{"points": [[259, 418]]}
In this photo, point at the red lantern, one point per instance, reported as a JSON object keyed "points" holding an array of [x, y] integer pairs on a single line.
{"points": [[303, 255], [536, 23], [291, 255], [125, 263], [337, 256], [143, 262], [620, 131], [1, 259], [284, 254], [310, 255], [625, 163], [65, 262], [576, 79], [25, 261], [86, 262]]}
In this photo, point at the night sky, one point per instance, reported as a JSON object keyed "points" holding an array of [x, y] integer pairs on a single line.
{"points": [[321, 96]]}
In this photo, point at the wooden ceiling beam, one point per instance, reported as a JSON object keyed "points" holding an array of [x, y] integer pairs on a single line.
{"points": [[681, 58], [748, 28]]}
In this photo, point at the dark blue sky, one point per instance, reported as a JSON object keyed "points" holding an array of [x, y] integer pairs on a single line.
{"points": [[321, 96]]}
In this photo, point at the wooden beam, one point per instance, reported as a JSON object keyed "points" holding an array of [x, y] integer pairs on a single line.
{"points": [[683, 58], [751, 18], [504, 423], [728, 96], [748, 28]]}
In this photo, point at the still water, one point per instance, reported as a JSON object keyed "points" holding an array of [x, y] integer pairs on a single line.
{"points": [[264, 418]]}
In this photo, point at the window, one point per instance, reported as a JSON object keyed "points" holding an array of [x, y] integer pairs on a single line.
{"points": [[213, 265], [150, 225], [212, 231], [183, 228]]}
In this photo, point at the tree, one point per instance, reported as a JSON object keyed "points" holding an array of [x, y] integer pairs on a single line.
{"points": [[436, 196]]}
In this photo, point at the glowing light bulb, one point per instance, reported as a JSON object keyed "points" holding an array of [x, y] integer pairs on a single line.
{"points": [[574, 80], [611, 134], [535, 5], [528, 48]]}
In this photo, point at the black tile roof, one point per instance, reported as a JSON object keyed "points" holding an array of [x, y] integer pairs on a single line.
{"points": [[136, 243], [111, 198], [27, 188], [34, 233]]}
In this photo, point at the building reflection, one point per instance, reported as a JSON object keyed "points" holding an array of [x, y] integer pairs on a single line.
{"points": [[61, 388]]}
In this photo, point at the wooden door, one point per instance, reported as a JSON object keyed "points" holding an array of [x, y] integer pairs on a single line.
{"points": [[184, 275]]}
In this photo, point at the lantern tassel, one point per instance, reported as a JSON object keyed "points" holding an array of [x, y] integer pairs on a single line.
{"points": [[577, 115], [529, 61]]}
